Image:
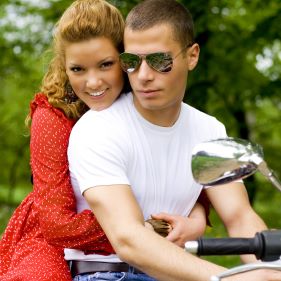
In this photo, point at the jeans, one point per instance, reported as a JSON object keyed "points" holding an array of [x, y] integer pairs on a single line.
{"points": [[113, 276]]}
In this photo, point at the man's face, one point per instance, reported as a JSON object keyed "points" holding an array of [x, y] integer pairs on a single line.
{"points": [[155, 91]]}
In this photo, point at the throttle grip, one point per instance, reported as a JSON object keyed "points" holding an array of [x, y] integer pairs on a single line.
{"points": [[265, 245]]}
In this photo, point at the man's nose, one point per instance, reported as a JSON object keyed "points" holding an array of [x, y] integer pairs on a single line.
{"points": [[145, 72]]}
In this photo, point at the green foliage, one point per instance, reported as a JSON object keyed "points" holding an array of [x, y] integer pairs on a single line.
{"points": [[238, 75], [23, 43]]}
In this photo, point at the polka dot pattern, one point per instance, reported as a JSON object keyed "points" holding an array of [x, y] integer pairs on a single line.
{"points": [[46, 221]]}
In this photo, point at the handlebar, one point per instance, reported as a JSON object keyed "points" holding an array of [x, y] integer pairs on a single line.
{"points": [[275, 265], [265, 245]]}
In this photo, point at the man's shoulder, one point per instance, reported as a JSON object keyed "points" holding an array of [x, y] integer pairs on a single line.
{"points": [[197, 114], [202, 124], [118, 108], [110, 119]]}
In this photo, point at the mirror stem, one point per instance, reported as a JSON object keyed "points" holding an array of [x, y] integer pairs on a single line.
{"points": [[263, 168]]}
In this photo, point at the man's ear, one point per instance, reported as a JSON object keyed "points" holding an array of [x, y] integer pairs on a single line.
{"points": [[193, 56]]}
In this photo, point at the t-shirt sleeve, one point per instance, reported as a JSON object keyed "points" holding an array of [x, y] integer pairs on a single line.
{"points": [[97, 153]]}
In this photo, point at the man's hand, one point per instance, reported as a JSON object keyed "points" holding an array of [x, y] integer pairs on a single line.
{"points": [[182, 228], [256, 275]]}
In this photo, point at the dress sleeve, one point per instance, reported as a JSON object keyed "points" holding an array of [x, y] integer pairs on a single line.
{"points": [[55, 201]]}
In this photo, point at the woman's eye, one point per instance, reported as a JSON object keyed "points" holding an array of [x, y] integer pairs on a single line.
{"points": [[75, 68], [107, 64]]}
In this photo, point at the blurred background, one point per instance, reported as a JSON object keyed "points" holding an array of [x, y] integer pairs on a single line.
{"points": [[238, 80]]}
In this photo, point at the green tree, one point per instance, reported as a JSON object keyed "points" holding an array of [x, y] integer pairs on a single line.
{"points": [[232, 81]]}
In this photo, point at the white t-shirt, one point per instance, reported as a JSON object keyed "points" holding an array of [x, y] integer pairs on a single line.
{"points": [[118, 146]]}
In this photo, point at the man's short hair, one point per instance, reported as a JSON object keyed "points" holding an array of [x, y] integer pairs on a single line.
{"points": [[149, 13]]}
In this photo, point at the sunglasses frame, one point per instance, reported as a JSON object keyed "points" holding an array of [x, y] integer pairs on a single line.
{"points": [[142, 57]]}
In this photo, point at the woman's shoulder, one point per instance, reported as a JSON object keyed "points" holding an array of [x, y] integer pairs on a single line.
{"points": [[41, 108], [39, 100]]}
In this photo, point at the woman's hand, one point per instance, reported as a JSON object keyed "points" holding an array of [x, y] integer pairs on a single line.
{"points": [[158, 225]]}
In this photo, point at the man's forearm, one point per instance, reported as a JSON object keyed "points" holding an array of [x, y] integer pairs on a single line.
{"points": [[138, 245], [246, 226], [160, 258]]}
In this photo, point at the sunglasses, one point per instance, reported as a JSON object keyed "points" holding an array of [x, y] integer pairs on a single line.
{"points": [[161, 62]]}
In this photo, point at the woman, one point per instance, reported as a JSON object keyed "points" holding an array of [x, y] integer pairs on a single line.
{"points": [[84, 73], [46, 222]]}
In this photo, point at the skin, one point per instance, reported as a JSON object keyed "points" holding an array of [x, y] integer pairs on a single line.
{"points": [[158, 96], [94, 71], [96, 77], [185, 228], [236, 212], [145, 250]]}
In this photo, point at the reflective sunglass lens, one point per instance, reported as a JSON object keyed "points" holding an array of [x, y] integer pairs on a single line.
{"points": [[161, 62], [129, 62]]}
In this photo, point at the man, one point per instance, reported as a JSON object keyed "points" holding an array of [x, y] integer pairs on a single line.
{"points": [[133, 159]]}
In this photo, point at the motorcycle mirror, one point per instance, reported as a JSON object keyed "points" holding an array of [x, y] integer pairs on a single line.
{"points": [[225, 160]]}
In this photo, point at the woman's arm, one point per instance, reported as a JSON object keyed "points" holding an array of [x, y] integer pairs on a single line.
{"points": [[55, 201]]}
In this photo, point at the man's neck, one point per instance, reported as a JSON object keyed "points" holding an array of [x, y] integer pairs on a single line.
{"points": [[165, 117]]}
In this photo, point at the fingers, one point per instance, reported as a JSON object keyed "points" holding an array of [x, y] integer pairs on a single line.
{"points": [[175, 237], [172, 236], [257, 275], [163, 216], [274, 275]]}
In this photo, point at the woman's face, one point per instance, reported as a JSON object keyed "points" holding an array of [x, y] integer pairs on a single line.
{"points": [[94, 72]]}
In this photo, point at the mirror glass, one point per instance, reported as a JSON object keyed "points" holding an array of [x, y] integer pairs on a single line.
{"points": [[224, 160]]}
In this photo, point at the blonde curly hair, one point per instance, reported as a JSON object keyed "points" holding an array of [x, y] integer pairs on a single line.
{"points": [[82, 20]]}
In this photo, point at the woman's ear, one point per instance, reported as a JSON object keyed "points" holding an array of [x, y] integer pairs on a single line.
{"points": [[193, 56]]}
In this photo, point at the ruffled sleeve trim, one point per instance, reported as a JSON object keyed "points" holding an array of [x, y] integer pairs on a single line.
{"points": [[41, 100]]}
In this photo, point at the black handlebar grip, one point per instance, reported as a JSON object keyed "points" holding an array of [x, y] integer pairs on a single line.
{"points": [[229, 246], [266, 245], [272, 244]]}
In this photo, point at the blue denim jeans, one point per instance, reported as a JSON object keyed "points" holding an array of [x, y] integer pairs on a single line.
{"points": [[113, 276]]}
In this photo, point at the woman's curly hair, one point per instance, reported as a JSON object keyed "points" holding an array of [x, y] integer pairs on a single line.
{"points": [[81, 21]]}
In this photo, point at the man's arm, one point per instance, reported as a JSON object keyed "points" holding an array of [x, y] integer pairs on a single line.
{"points": [[121, 218], [232, 205]]}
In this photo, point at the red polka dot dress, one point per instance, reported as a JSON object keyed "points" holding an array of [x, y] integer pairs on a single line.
{"points": [[46, 221]]}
